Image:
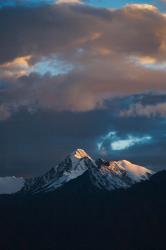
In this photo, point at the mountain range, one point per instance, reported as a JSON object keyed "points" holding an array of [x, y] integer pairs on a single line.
{"points": [[85, 204], [108, 175]]}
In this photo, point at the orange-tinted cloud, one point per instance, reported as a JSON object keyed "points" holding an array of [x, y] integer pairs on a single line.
{"points": [[68, 1], [99, 43], [16, 68]]}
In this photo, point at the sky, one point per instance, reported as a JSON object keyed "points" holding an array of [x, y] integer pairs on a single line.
{"points": [[81, 74]]}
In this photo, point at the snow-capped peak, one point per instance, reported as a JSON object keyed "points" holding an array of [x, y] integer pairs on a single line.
{"points": [[135, 172], [107, 175], [11, 184], [118, 174], [80, 153], [73, 166]]}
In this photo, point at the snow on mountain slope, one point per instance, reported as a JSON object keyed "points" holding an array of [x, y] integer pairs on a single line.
{"points": [[73, 166], [9, 185], [118, 174], [80, 153], [135, 172], [104, 175]]}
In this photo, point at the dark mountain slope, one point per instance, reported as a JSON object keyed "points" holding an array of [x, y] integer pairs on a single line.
{"points": [[79, 216]]}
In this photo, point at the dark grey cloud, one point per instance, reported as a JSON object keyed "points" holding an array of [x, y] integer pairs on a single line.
{"points": [[42, 31], [51, 29], [101, 45], [45, 117], [34, 142]]}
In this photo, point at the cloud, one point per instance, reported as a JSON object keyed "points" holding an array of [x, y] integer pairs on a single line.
{"points": [[146, 110], [144, 60], [111, 141], [31, 143], [70, 74], [120, 30], [98, 44], [144, 7], [130, 141], [16, 68], [81, 89], [69, 2]]}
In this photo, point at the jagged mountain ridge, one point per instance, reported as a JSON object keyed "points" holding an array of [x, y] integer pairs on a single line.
{"points": [[73, 166], [118, 174], [108, 175], [104, 175]]}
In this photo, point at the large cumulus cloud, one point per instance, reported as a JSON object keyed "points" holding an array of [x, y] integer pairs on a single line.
{"points": [[116, 73], [103, 46]]}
